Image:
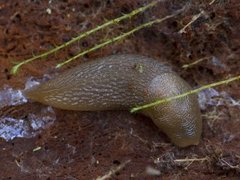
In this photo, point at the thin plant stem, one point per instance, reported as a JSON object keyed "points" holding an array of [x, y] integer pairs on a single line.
{"points": [[114, 171], [185, 66], [194, 18], [191, 160], [15, 68], [165, 100], [109, 41]]}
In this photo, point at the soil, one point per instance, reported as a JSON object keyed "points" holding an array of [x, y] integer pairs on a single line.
{"points": [[87, 145]]}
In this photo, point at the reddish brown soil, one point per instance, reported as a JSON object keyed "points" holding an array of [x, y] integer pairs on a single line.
{"points": [[86, 145]]}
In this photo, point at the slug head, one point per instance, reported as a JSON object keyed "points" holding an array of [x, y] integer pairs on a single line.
{"points": [[180, 119]]}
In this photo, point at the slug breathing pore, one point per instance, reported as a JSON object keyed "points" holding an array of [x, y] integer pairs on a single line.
{"points": [[122, 82]]}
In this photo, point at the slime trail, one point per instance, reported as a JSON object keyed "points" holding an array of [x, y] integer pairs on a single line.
{"points": [[19, 118]]}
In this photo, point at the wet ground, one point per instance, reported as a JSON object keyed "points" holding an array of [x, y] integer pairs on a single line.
{"points": [[117, 144]]}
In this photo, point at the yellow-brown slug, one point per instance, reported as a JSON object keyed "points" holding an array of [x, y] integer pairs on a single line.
{"points": [[123, 82]]}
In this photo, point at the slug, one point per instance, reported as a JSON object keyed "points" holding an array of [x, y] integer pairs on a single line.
{"points": [[120, 82]]}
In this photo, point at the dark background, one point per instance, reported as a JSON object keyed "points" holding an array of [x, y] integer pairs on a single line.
{"points": [[86, 145]]}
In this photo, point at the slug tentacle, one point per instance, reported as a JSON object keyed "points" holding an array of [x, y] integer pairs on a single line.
{"points": [[122, 82]]}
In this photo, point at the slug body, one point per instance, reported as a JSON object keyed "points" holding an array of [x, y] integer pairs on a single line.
{"points": [[123, 82]]}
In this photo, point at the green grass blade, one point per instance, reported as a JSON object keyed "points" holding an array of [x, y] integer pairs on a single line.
{"points": [[105, 43], [165, 100], [15, 68]]}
